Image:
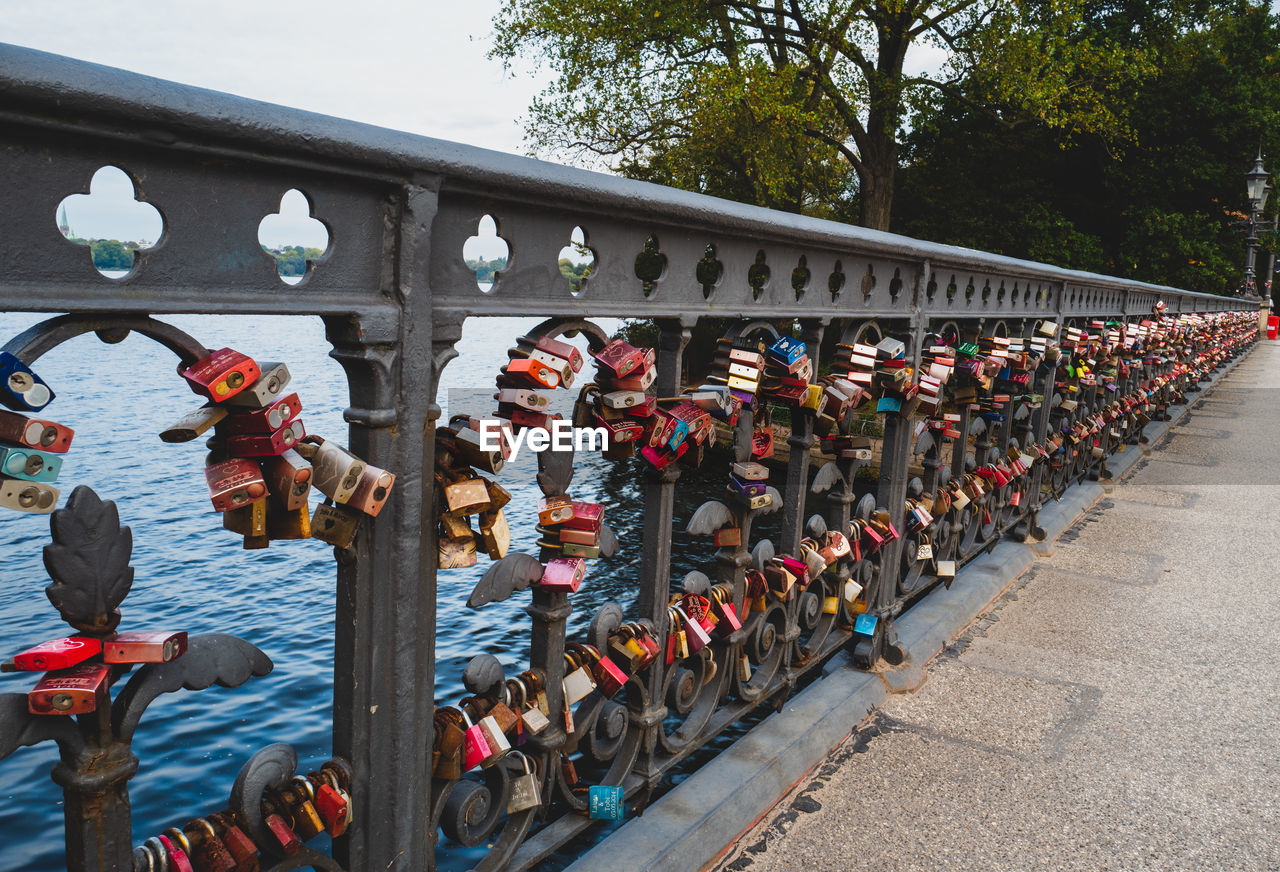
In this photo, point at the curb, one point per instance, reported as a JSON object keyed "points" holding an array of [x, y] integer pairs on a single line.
{"points": [[697, 821]]}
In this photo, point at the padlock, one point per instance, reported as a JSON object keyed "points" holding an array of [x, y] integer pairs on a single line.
{"points": [[241, 847], [626, 650], [208, 852], [448, 741], [728, 537], [221, 375], [619, 359], [269, 386], [555, 509], [288, 478], [234, 483], [726, 616], [335, 471], [286, 840], [813, 561], [524, 788], [372, 491], [73, 691], [331, 803], [560, 349], [176, 848], [696, 637], [495, 533], [338, 525], [54, 654], [563, 574], [456, 553], [779, 580], [573, 549], [608, 676], [466, 496], [268, 419], [193, 424], [605, 803], [20, 388], [250, 520], [532, 372], [29, 464], [523, 398], [268, 445], [578, 682], [288, 524], [33, 433], [558, 365], [300, 797], [475, 747], [144, 647]]}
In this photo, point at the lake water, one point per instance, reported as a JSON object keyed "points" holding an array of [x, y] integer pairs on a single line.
{"points": [[192, 575]]}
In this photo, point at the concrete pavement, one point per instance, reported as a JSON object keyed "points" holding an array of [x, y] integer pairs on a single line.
{"points": [[1117, 709]]}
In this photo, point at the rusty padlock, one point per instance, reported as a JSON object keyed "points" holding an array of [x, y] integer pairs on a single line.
{"points": [[285, 838], [242, 848], [208, 852]]}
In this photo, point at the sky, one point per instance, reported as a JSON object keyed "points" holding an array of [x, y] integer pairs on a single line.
{"points": [[414, 65]]}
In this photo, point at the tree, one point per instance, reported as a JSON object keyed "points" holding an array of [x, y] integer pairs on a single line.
{"points": [[780, 101], [1158, 206]]}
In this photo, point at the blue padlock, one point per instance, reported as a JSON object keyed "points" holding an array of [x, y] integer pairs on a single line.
{"points": [[865, 624], [20, 388], [786, 350], [29, 464], [606, 803]]}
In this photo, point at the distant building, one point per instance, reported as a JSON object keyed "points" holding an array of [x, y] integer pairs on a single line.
{"points": [[63, 224]]}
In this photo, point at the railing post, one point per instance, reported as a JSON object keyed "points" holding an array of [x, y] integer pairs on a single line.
{"points": [[384, 644], [801, 442]]}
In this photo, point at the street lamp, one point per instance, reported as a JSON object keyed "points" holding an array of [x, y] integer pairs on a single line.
{"points": [[1257, 189]]}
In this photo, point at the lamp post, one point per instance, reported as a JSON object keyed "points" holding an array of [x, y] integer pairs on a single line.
{"points": [[1257, 189]]}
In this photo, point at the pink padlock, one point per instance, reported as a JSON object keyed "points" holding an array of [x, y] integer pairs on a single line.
{"points": [[475, 747], [697, 637], [563, 573]]}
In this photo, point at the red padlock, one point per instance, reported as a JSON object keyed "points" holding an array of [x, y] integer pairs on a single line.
{"points": [[222, 374], [173, 843], [265, 420], [75, 691], [54, 654], [242, 848], [143, 647], [286, 839]]}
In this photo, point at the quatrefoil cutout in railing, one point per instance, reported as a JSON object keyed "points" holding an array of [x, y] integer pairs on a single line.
{"points": [[835, 281], [651, 265], [111, 222], [758, 275], [709, 272], [800, 277], [486, 254], [577, 261], [294, 238], [868, 282]]}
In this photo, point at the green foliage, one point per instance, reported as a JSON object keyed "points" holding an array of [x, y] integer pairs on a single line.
{"points": [[485, 269], [112, 254], [291, 260], [1157, 206], [796, 105]]}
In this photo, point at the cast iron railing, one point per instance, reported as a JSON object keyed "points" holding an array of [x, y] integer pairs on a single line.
{"points": [[394, 290]]}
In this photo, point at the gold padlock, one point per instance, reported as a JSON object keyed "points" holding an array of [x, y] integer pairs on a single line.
{"points": [[288, 523], [496, 533], [455, 553], [336, 525]]}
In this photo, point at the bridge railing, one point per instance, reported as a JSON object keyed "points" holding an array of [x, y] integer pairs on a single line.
{"points": [[394, 291]]}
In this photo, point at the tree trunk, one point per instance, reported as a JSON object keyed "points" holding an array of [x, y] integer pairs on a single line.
{"points": [[877, 187]]}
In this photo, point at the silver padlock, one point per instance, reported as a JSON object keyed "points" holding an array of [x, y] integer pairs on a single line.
{"points": [[577, 684], [524, 788]]}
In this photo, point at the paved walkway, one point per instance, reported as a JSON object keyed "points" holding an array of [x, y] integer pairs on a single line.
{"points": [[1118, 709]]}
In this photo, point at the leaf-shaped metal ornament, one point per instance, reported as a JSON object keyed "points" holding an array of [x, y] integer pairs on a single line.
{"points": [[483, 674], [816, 526], [923, 442], [978, 426], [608, 541], [89, 562], [709, 517], [211, 658], [697, 582], [828, 477], [762, 554], [606, 619], [555, 471], [506, 576], [19, 727]]}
